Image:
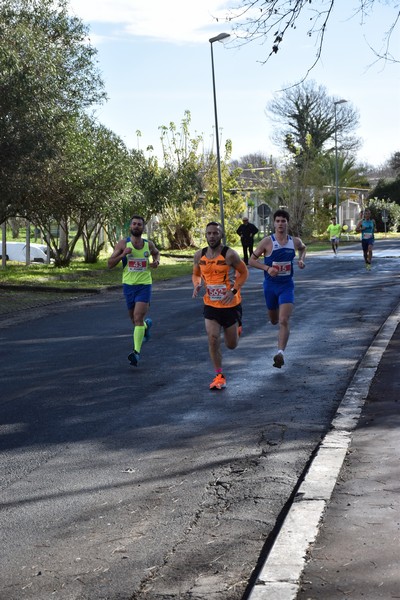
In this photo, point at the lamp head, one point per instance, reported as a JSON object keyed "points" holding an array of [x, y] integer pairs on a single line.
{"points": [[219, 37]]}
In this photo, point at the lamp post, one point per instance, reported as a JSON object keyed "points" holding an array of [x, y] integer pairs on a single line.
{"points": [[336, 161], [218, 38]]}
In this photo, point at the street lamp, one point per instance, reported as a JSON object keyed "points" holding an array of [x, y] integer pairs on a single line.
{"points": [[218, 38], [336, 161]]}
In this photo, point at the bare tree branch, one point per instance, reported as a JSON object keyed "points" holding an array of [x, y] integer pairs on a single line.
{"points": [[271, 21], [386, 54]]}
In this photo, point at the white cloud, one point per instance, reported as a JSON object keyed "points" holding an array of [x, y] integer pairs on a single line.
{"points": [[176, 21], [183, 80]]}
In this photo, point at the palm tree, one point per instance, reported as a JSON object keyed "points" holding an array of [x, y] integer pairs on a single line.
{"points": [[323, 175], [349, 173]]}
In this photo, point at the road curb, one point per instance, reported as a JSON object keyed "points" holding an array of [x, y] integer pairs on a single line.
{"points": [[280, 574]]}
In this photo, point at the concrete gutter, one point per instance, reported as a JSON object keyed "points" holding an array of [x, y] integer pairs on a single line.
{"points": [[279, 576]]}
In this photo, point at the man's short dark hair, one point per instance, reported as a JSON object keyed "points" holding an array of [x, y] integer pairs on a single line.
{"points": [[215, 224], [282, 213], [138, 217]]}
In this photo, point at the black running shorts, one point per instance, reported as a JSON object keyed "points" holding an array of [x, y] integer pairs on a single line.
{"points": [[226, 317]]}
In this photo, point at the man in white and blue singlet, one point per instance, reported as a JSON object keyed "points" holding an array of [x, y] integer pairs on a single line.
{"points": [[279, 251], [135, 252]]}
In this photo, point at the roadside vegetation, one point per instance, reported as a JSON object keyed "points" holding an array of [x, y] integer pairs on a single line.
{"points": [[77, 184], [79, 275]]}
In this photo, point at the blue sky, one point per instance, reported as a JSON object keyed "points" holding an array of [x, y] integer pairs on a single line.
{"points": [[155, 60]]}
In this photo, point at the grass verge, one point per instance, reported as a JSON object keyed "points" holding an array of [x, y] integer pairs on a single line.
{"points": [[80, 275]]}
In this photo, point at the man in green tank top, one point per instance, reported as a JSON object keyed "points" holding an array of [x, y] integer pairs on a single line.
{"points": [[334, 230], [135, 252]]}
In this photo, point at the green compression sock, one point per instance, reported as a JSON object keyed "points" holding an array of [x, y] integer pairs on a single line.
{"points": [[138, 335]]}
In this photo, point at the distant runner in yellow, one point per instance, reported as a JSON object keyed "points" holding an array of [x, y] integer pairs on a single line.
{"points": [[334, 230]]}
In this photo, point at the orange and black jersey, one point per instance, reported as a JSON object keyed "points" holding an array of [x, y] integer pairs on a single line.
{"points": [[218, 277]]}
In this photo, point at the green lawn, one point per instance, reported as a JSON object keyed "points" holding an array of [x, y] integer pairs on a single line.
{"points": [[82, 275]]}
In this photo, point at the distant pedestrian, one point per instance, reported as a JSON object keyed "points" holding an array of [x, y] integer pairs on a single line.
{"points": [[334, 230], [135, 252], [247, 231], [223, 273], [367, 227], [279, 251]]}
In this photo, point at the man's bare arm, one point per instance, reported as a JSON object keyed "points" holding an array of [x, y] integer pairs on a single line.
{"points": [[120, 251]]}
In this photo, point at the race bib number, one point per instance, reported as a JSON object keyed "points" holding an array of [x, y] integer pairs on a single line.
{"points": [[137, 264], [283, 268], [367, 236], [216, 292]]}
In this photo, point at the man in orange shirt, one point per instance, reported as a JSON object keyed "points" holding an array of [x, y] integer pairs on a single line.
{"points": [[223, 273]]}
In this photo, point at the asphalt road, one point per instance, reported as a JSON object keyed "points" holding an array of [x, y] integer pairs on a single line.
{"points": [[139, 483]]}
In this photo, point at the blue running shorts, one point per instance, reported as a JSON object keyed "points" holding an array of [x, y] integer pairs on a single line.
{"points": [[277, 294], [366, 243], [136, 293]]}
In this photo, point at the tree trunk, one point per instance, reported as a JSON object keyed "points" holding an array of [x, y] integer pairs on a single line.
{"points": [[180, 238]]}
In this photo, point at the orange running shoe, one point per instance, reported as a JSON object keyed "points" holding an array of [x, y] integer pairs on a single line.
{"points": [[218, 383]]}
